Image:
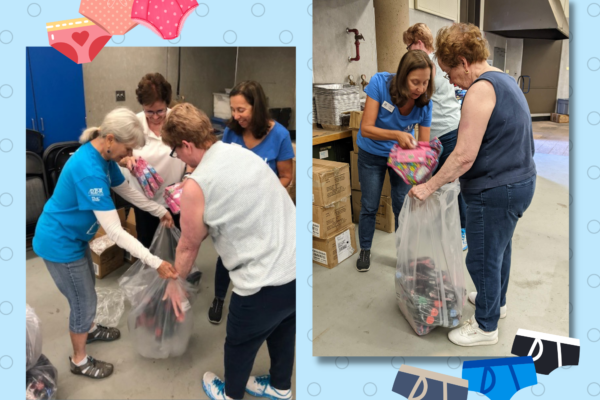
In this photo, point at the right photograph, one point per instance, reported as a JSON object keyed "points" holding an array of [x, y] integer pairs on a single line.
{"points": [[440, 176]]}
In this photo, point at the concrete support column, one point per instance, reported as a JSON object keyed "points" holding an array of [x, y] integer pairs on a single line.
{"points": [[391, 20]]}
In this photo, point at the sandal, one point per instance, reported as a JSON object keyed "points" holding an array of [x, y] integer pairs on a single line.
{"points": [[104, 334], [93, 368]]}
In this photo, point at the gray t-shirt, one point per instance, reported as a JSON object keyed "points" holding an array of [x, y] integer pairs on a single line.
{"points": [[446, 109], [250, 217]]}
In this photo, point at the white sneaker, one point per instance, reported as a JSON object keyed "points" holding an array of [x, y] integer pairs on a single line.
{"points": [[469, 334], [214, 387], [472, 297], [260, 386]]}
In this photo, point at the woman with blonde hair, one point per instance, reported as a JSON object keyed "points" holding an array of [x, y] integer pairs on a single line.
{"points": [[445, 115], [395, 104], [80, 204], [494, 160]]}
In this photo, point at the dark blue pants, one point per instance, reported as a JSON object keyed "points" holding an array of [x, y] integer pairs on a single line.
{"points": [[221, 280], [449, 143], [371, 174], [267, 315], [492, 216]]}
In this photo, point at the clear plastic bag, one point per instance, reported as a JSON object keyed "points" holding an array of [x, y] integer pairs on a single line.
{"points": [[34, 337], [153, 326], [111, 306], [41, 380], [430, 282]]}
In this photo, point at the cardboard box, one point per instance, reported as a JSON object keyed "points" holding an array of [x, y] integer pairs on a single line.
{"points": [[111, 258], [560, 118], [331, 182], [387, 186], [131, 228], [330, 219], [339, 247], [384, 220]]}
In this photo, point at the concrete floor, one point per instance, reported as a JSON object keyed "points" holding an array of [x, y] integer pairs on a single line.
{"points": [[135, 377], [356, 314]]}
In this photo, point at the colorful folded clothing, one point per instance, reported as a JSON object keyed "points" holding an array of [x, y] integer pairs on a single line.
{"points": [[172, 197], [148, 178], [416, 165]]}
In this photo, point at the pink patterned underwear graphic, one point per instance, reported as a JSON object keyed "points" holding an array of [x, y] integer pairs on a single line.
{"points": [[79, 39], [163, 17], [114, 16]]}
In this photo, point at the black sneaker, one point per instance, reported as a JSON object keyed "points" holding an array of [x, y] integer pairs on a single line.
{"points": [[364, 261], [215, 312]]}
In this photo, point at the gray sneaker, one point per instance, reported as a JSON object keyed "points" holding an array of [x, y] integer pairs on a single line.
{"points": [[364, 261]]}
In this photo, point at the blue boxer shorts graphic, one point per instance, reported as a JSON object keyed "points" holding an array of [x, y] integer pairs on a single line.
{"points": [[553, 351], [420, 384], [500, 378]]}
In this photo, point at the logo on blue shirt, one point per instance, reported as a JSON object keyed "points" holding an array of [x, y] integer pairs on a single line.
{"points": [[97, 192]]}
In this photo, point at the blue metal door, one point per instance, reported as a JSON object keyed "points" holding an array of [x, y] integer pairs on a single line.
{"points": [[58, 93]]}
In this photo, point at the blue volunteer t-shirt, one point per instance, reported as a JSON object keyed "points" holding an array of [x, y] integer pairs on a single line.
{"points": [[276, 146], [68, 222], [379, 90]]}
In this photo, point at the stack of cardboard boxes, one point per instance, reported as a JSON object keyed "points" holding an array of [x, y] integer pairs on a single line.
{"points": [[385, 215], [333, 231]]}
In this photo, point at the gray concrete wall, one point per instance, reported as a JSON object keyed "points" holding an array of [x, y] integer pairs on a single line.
{"points": [[332, 45], [275, 69], [204, 70], [434, 22]]}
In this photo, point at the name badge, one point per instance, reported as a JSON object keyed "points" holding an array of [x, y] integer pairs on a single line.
{"points": [[388, 106]]}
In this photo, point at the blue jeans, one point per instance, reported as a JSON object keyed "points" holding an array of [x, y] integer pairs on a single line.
{"points": [[492, 216], [371, 174], [449, 143], [76, 281]]}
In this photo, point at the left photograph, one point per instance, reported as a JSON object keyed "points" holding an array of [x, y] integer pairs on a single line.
{"points": [[161, 223]]}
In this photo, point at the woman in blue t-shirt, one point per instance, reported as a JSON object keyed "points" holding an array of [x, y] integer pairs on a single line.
{"points": [[80, 204], [395, 104], [251, 127]]}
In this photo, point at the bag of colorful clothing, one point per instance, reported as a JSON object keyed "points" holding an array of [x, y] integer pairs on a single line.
{"points": [[33, 345], [155, 330], [149, 180], [416, 165], [430, 282], [40, 380]]}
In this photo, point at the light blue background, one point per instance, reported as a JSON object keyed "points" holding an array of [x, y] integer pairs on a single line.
{"points": [[23, 24]]}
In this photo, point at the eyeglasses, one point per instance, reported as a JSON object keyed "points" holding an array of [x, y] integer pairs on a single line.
{"points": [[408, 47], [173, 152], [447, 77], [150, 113]]}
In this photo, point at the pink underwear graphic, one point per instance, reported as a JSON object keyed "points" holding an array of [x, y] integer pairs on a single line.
{"points": [[114, 16], [163, 17], [79, 39]]}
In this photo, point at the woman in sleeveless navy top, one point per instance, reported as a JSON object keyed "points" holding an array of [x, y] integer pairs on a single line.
{"points": [[494, 160]]}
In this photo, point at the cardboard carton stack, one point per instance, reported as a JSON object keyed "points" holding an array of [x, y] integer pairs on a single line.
{"points": [[110, 258], [560, 118], [333, 231], [385, 220]]}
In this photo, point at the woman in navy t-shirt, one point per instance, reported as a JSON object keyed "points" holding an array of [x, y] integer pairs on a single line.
{"points": [[395, 104], [251, 127]]}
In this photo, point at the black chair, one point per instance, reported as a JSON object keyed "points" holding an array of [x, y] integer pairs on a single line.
{"points": [[36, 191], [55, 158], [34, 142], [281, 115]]}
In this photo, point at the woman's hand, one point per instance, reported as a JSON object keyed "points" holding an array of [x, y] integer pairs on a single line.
{"points": [[167, 220], [421, 192], [173, 293], [406, 140], [128, 162], [167, 271]]}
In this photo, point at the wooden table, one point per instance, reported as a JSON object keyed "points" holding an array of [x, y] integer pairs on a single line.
{"points": [[321, 136]]}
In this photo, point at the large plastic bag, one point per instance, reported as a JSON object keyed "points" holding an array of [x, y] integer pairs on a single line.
{"points": [[430, 282], [111, 306], [41, 380], [154, 328], [34, 337]]}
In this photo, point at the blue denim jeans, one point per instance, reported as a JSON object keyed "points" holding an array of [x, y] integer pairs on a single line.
{"points": [[371, 174], [492, 216], [449, 143], [76, 281]]}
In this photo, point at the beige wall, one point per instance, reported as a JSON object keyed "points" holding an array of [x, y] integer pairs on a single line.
{"points": [[204, 70]]}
